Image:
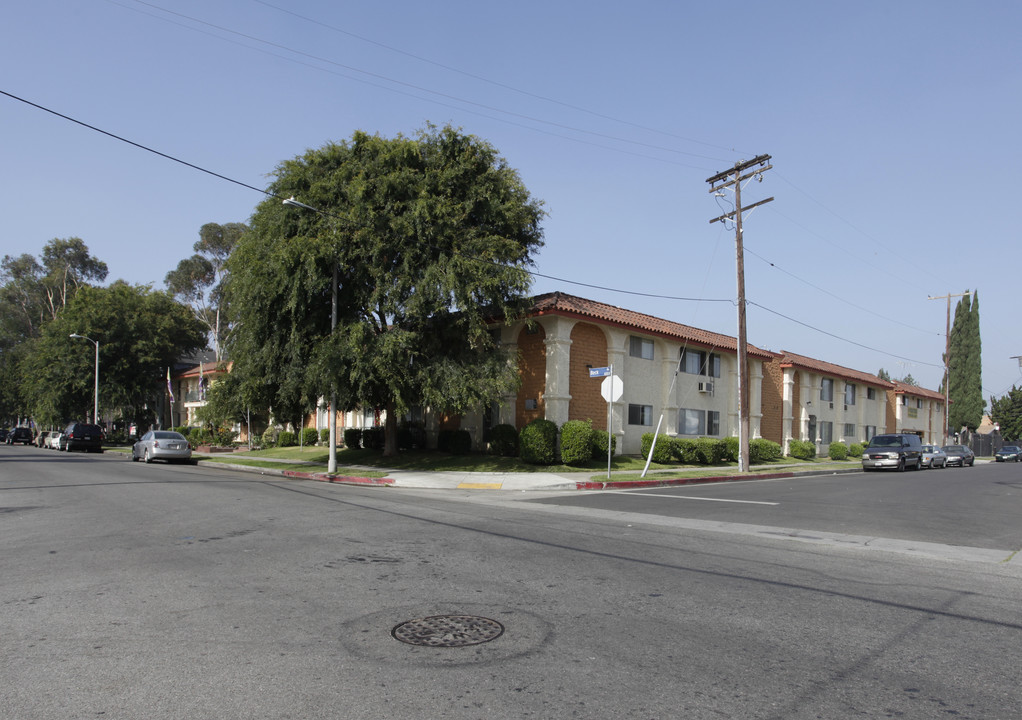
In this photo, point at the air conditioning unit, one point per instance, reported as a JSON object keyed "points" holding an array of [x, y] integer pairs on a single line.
{"points": [[706, 387]]}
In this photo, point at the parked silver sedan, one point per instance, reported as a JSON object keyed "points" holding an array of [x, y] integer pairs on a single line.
{"points": [[162, 445], [934, 456]]}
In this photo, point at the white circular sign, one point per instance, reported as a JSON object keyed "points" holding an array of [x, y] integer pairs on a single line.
{"points": [[612, 388]]}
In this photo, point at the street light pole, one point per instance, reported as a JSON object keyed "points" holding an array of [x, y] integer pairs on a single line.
{"points": [[95, 406], [331, 466]]}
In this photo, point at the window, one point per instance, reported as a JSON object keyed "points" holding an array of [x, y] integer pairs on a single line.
{"points": [[849, 393], [871, 394], [640, 348], [919, 403], [827, 389], [698, 422], [904, 399], [871, 430], [826, 432], [849, 431], [697, 362], [640, 414], [691, 422]]}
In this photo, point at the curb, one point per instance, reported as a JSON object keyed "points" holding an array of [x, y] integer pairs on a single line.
{"points": [[321, 477], [666, 482]]}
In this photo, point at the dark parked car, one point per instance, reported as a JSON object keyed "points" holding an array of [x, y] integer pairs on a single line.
{"points": [[896, 451], [82, 436], [21, 435], [1008, 453], [3, 434], [959, 455]]}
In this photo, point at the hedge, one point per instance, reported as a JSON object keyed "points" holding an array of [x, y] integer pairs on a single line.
{"points": [[801, 449], [762, 450], [455, 442], [837, 451], [663, 453], [503, 440], [286, 439], [353, 437], [538, 442], [310, 436], [577, 442]]}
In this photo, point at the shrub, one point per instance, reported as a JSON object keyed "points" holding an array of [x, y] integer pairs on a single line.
{"points": [[199, 436], [286, 438], [373, 438], [183, 429], [269, 438], [731, 449], [324, 435], [577, 442], [855, 450], [538, 442], [223, 437], [503, 440], [352, 438], [710, 451], [309, 436], [762, 450], [684, 450], [837, 451], [802, 449], [411, 436], [456, 442], [600, 443], [663, 452]]}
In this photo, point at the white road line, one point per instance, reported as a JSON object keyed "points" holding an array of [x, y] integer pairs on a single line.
{"points": [[687, 497]]}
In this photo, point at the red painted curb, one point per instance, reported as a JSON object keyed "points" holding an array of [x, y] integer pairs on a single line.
{"points": [[634, 484]]}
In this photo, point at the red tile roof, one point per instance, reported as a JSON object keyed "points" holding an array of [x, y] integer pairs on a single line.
{"points": [[790, 359], [900, 387], [558, 303]]}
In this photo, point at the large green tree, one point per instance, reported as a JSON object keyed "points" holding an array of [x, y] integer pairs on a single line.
{"points": [[432, 237], [141, 332], [1006, 411], [199, 280], [965, 377]]}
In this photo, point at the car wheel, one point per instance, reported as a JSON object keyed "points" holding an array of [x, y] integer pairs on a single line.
{"points": [[147, 457], [134, 457]]}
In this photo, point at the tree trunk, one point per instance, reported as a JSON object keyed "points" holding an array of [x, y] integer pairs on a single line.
{"points": [[390, 431]]}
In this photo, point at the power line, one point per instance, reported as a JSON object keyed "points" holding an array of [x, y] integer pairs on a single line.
{"points": [[530, 272]]}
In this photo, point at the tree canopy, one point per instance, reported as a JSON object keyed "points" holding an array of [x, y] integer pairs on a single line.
{"points": [[141, 333], [432, 238], [965, 371], [1006, 411], [198, 280]]}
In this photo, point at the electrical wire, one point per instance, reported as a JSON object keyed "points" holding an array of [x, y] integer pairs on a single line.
{"points": [[532, 273]]}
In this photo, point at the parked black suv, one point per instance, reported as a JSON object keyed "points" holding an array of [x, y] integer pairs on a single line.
{"points": [[21, 435], [82, 436], [896, 451]]}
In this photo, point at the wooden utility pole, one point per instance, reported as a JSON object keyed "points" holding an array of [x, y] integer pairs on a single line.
{"points": [[947, 361], [734, 178]]}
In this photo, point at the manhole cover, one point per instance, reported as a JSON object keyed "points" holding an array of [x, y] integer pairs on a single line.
{"points": [[448, 631]]}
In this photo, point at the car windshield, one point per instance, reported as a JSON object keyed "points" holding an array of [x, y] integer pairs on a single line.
{"points": [[885, 441], [1009, 449], [168, 435]]}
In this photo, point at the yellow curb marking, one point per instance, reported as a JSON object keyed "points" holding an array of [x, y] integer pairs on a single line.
{"points": [[480, 486]]}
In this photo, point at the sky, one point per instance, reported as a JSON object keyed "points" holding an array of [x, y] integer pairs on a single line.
{"points": [[892, 130]]}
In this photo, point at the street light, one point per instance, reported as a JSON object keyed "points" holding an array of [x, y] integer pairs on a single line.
{"points": [[331, 466], [95, 407]]}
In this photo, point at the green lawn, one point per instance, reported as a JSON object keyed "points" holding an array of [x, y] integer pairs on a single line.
{"points": [[371, 463]]}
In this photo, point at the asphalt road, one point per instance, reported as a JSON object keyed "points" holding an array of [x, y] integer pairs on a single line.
{"points": [[134, 591]]}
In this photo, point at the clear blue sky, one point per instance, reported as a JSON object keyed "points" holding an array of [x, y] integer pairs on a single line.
{"points": [[893, 128]]}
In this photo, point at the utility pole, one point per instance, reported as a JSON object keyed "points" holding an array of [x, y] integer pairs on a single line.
{"points": [[947, 361], [733, 178]]}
